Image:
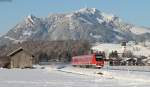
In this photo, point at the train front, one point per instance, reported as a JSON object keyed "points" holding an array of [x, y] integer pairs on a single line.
{"points": [[99, 58]]}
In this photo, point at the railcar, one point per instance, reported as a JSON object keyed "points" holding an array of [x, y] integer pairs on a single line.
{"points": [[87, 61]]}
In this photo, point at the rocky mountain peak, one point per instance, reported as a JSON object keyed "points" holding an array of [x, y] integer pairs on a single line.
{"points": [[86, 23], [89, 10], [31, 19]]}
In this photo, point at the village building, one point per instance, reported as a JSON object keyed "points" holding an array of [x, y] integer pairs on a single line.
{"points": [[21, 58]]}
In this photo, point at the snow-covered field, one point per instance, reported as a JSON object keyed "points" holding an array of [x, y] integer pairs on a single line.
{"points": [[72, 77], [114, 78], [129, 68]]}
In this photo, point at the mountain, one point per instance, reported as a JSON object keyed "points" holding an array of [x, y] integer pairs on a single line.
{"points": [[84, 24]]}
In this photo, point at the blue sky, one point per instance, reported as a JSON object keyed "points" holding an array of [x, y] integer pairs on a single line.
{"points": [[132, 11]]}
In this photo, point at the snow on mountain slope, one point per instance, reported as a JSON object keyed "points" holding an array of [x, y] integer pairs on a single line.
{"points": [[108, 48], [88, 10], [12, 39], [108, 17], [87, 23], [140, 30]]}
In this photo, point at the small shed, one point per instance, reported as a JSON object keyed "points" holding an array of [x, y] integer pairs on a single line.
{"points": [[4, 61], [21, 58]]}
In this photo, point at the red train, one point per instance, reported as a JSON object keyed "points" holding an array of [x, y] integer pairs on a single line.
{"points": [[93, 60]]}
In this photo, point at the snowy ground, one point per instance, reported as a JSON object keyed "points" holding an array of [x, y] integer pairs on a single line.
{"points": [[129, 68], [72, 77]]}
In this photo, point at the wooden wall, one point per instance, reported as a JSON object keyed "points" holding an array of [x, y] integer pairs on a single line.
{"points": [[21, 60], [4, 62]]}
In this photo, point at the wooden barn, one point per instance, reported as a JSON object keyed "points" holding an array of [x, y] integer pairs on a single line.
{"points": [[4, 61], [21, 58]]}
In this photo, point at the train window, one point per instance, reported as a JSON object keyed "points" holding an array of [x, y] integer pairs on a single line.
{"points": [[99, 57]]}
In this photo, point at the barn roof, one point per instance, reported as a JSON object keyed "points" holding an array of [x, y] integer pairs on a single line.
{"points": [[18, 50]]}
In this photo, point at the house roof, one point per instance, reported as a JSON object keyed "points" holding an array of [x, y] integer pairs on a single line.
{"points": [[18, 50]]}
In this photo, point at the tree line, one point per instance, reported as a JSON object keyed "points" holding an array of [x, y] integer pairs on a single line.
{"points": [[61, 51]]}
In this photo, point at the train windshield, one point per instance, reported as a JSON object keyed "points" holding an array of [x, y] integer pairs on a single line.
{"points": [[99, 57]]}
